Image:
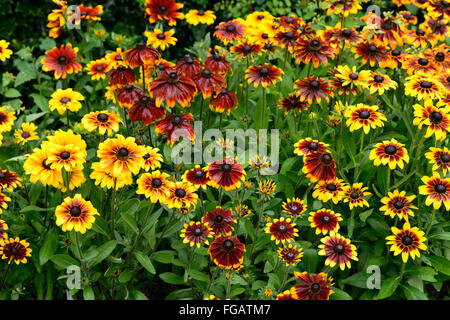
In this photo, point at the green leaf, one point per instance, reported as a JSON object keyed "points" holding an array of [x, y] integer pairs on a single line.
{"points": [[145, 262], [200, 276], [388, 287], [88, 293], [12, 93], [412, 293], [129, 219], [440, 236], [40, 101], [358, 280], [126, 276], [171, 278], [48, 247], [105, 251], [441, 264], [340, 294], [163, 256], [288, 164], [64, 261]]}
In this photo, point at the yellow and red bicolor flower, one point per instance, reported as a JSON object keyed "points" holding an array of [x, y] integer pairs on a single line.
{"points": [[62, 61], [226, 173], [398, 204], [15, 249], [227, 252], [437, 190], [75, 213], [407, 241], [196, 233], [392, 153], [338, 250], [281, 230], [220, 220], [312, 287]]}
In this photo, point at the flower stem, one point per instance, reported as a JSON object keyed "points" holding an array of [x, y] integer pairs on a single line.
{"points": [[284, 279], [5, 276], [263, 108], [211, 280], [113, 226], [258, 227], [162, 233]]}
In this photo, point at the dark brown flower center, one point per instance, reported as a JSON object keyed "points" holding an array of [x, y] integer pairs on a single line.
{"points": [[265, 36], [289, 35], [353, 76], [156, 183], [420, 32], [390, 149], [422, 61], [45, 165], [445, 157], [228, 245], [206, 73], [347, 33], [177, 120], [260, 17], [65, 155], [25, 134], [197, 232], [246, 48], [144, 100], [372, 48], [188, 59], [289, 20], [407, 240], [398, 204], [146, 156], [231, 28], [282, 228], [62, 60], [140, 45], [201, 13], [172, 77], [199, 174], [163, 9], [354, 195], [313, 146], [326, 219], [294, 208], [102, 117], [180, 193], [315, 45], [129, 88], [226, 167], [436, 117], [314, 84], [364, 114], [326, 159], [122, 153], [396, 52], [121, 68], [64, 100], [331, 187], [339, 248], [218, 219], [161, 36], [3, 175], [426, 84], [75, 211], [99, 68], [440, 56], [440, 188], [264, 71], [378, 79], [290, 255], [387, 25], [315, 288], [224, 91]]}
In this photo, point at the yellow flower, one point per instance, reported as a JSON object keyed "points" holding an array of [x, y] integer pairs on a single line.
{"points": [[75, 213], [195, 17], [26, 133], [159, 39], [407, 241], [66, 99], [5, 53]]}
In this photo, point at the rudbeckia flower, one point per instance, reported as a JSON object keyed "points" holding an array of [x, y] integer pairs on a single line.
{"points": [[223, 100], [390, 153], [154, 185], [281, 230], [163, 10], [38, 167], [407, 241], [344, 8], [423, 87], [9, 180], [418, 63], [267, 187], [313, 88], [196, 233], [227, 252], [145, 110], [121, 155], [3, 228], [159, 39], [141, 54], [217, 62], [189, 66], [290, 254], [312, 287], [437, 190], [228, 31], [62, 61], [26, 133], [3, 199], [308, 145], [436, 119], [246, 49], [439, 158], [5, 53], [172, 87], [332, 189], [195, 17], [294, 207], [292, 103], [128, 95], [103, 177], [176, 126], [220, 220], [181, 194], [208, 82], [385, 30], [103, 121], [325, 220], [338, 250], [226, 173], [363, 116], [286, 39], [115, 58], [90, 13], [354, 195], [152, 158], [197, 176], [265, 75], [65, 99], [319, 166], [75, 213], [398, 204], [98, 68], [121, 76], [371, 52], [315, 49], [15, 249]]}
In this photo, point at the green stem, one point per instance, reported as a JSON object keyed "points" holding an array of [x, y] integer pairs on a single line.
{"points": [[113, 224], [80, 253], [141, 230], [5, 276], [263, 108], [211, 280], [258, 227], [430, 223], [162, 233], [284, 279], [150, 139]]}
